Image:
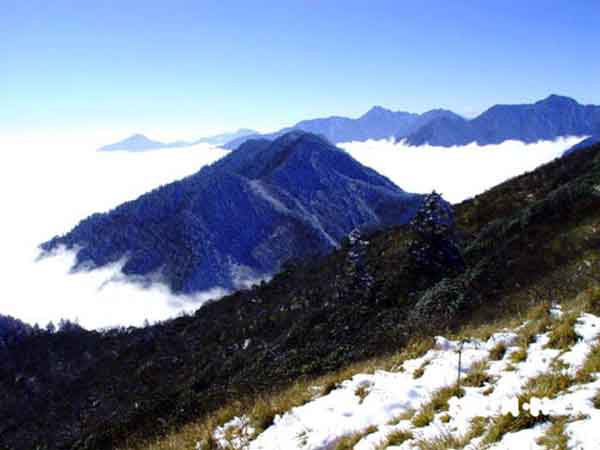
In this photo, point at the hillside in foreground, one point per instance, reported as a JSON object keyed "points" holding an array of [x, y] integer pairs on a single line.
{"points": [[374, 303], [534, 386]]}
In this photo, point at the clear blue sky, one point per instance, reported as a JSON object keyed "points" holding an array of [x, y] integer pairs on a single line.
{"points": [[200, 66]]}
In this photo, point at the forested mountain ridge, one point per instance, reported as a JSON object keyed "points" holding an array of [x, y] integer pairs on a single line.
{"points": [[242, 217]]}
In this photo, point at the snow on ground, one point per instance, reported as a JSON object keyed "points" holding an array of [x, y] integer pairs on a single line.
{"points": [[384, 398]]}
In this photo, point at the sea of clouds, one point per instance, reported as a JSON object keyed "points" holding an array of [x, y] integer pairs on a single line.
{"points": [[48, 184], [457, 173]]}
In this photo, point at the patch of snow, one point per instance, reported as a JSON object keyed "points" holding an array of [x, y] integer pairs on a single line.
{"points": [[234, 434], [386, 395]]}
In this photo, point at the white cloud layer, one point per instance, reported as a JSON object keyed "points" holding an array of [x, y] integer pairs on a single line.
{"points": [[457, 172], [48, 183]]}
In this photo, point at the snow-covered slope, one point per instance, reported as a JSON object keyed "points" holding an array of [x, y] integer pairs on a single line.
{"points": [[380, 410]]}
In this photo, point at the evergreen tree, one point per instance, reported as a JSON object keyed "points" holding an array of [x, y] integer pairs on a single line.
{"points": [[51, 328]]}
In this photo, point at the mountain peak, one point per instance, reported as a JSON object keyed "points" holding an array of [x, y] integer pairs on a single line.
{"points": [[135, 142], [557, 100], [243, 216], [296, 135], [378, 109]]}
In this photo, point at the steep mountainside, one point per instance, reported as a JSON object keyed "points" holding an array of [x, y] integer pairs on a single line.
{"points": [[531, 240], [410, 400], [242, 217], [547, 119], [377, 123]]}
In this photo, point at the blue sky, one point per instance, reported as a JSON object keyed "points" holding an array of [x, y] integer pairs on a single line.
{"points": [[188, 68]]}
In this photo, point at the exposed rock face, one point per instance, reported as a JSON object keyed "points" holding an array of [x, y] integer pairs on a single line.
{"points": [[244, 216]]}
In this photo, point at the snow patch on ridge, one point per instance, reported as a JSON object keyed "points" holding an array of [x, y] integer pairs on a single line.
{"points": [[322, 422]]}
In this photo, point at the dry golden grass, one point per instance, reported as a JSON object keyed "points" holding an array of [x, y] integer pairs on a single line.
{"points": [[518, 355], [419, 371], [555, 438], [477, 376], [424, 416], [438, 403], [589, 300], [446, 440], [348, 442], [545, 385], [488, 390], [507, 423], [596, 400], [497, 353], [362, 392], [539, 320], [398, 437], [406, 415], [590, 366], [562, 335], [548, 384]]}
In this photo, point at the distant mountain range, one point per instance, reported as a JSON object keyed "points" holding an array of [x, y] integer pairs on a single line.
{"points": [[242, 217], [377, 123], [546, 119], [139, 142]]}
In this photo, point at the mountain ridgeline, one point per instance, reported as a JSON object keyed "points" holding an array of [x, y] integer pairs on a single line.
{"points": [[547, 119], [242, 217], [377, 123], [556, 116], [550, 118]]}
